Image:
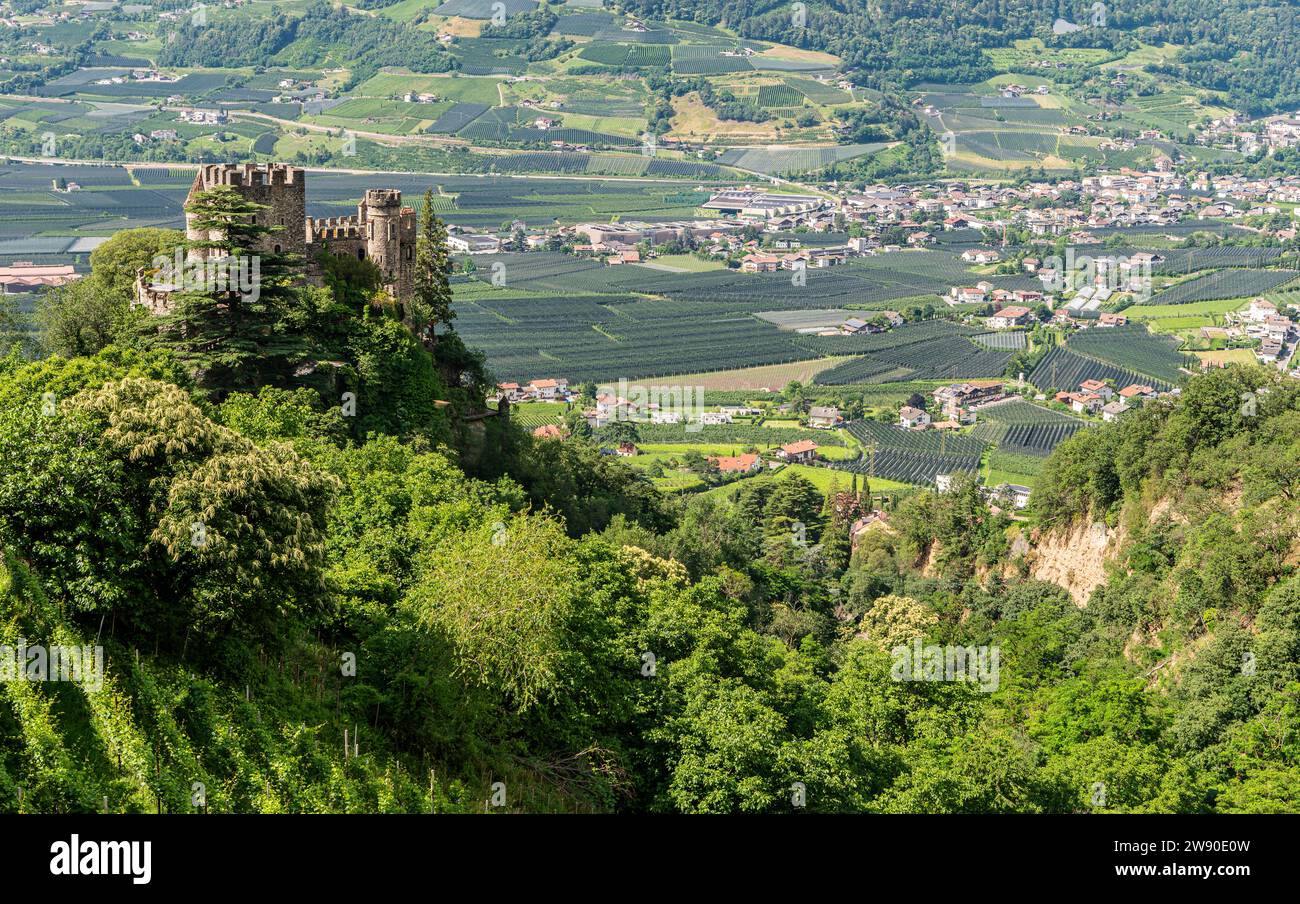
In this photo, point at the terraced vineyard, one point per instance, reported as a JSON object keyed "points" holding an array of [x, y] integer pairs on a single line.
{"points": [[1037, 439]]}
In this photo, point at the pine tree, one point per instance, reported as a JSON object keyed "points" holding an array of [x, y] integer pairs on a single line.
{"points": [[432, 302], [235, 325]]}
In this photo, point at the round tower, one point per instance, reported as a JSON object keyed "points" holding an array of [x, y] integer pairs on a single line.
{"points": [[382, 210]]}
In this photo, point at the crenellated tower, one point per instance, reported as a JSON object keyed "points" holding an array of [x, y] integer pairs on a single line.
{"points": [[389, 230]]}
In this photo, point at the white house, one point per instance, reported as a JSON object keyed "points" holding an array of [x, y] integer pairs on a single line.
{"points": [[1011, 316], [912, 417]]}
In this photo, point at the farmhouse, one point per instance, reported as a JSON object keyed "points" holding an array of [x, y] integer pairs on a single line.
{"points": [[760, 263], [549, 431], [1010, 316], [968, 295], [548, 389], [801, 452], [952, 399], [823, 417], [1080, 402], [1013, 494], [912, 417], [1137, 391], [856, 326], [1112, 410], [737, 464], [981, 256], [871, 521], [1097, 387]]}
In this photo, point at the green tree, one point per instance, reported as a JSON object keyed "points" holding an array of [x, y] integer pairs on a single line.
{"points": [[432, 301], [234, 331]]}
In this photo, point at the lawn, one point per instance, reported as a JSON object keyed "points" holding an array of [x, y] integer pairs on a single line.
{"points": [[1228, 356], [1211, 309], [993, 478], [687, 263]]}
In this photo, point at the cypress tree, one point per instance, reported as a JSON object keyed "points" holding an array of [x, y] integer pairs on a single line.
{"points": [[432, 286]]}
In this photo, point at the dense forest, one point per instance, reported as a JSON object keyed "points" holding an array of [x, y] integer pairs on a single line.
{"points": [[1248, 48], [327, 578], [320, 34]]}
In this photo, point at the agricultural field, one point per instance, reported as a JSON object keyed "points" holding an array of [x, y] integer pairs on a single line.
{"points": [[1132, 347], [910, 467], [1063, 369], [734, 437], [1020, 435], [530, 415], [1222, 284], [1037, 439], [778, 161], [645, 56], [47, 225], [772, 377], [1227, 356], [608, 337], [1003, 341], [945, 353], [1184, 320], [993, 133], [873, 434]]}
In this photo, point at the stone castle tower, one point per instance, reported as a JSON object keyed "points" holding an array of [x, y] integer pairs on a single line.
{"points": [[282, 188], [382, 230]]}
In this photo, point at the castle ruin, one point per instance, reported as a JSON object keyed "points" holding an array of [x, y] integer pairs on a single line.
{"points": [[382, 230]]}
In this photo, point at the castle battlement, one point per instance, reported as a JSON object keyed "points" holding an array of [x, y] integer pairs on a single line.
{"points": [[249, 175], [383, 197], [349, 227]]}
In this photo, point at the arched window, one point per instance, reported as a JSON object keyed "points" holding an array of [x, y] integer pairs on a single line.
{"points": [[277, 249], [361, 254]]}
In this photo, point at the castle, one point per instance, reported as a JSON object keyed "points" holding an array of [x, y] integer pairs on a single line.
{"points": [[382, 230]]}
